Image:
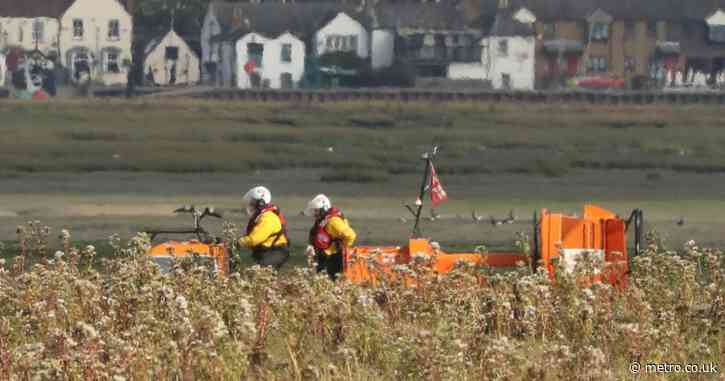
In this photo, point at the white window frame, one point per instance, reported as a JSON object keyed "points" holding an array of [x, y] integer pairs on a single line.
{"points": [[503, 47], [82, 29], [38, 31], [107, 62], [282, 54]]}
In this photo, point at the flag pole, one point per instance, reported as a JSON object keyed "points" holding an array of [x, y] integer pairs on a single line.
{"points": [[428, 157]]}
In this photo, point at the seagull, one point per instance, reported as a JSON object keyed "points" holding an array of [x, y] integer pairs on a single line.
{"points": [[330, 149], [511, 218], [681, 221], [476, 218], [403, 220], [434, 216], [494, 222]]}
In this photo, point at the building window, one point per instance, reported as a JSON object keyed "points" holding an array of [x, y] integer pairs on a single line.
{"points": [[505, 81], [81, 66], [652, 29], [341, 43], [20, 33], [114, 30], [172, 53], [629, 29], [286, 54], [503, 48], [78, 29], [717, 33], [255, 52], [597, 64], [549, 30], [629, 63], [112, 64], [600, 31], [38, 31], [285, 80]]}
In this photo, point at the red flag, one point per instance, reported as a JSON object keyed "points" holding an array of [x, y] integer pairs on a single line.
{"points": [[437, 193]]}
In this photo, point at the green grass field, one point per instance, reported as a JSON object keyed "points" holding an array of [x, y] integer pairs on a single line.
{"points": [[114, 166], [378, 140]]}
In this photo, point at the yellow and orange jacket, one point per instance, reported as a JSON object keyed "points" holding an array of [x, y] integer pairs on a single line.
{"points": [[266, 228], [330, 232]]}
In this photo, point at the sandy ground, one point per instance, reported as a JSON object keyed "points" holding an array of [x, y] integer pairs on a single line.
{"points": [[96, 205]]}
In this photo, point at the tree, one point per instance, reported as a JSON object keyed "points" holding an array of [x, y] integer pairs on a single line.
{"points": [[152, 17]]}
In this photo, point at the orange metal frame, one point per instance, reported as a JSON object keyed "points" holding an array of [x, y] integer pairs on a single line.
{"points": [[561, 237], [598, 232], [193, 247]]}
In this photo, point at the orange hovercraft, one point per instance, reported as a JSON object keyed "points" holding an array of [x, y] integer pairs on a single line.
{"points": [[204, 249], [556, 237]]}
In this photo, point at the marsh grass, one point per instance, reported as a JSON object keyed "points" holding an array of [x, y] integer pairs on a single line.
{"points": [[190, 136], [63, 319]]}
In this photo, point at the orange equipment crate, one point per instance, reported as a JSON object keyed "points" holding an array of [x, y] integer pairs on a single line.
{"points": [[557, 236]]}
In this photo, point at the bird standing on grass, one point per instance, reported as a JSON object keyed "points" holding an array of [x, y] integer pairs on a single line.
{"points": [[476, 218]]}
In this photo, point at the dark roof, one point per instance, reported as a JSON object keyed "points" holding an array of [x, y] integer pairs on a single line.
{"points": [[155, 41], [446, 15], [41, 8], [549, 10], [34, 8], [272, 19], [506, 26]]}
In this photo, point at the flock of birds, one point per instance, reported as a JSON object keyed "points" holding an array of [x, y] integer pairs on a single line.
{"points": [[475, 217], [511, 219]]}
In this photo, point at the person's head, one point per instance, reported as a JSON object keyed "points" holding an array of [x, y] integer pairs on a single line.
{"points": [[318, 206], [256, 199]]}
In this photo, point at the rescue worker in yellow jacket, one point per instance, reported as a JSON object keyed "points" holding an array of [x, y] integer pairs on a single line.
{"points": [[266, 233], [330, 237]]}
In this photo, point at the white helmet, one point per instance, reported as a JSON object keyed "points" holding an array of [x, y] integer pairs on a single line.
{"points": [[320, 202], [255, 195]]}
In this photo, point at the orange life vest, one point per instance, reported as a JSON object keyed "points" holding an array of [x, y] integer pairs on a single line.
{"points": [[320, 239]]}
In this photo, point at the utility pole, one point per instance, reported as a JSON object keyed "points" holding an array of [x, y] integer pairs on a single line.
{"points": [[424, 185]]}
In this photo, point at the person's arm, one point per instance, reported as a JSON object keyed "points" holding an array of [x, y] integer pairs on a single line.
{"points": [[268, 225], [341, 230]]}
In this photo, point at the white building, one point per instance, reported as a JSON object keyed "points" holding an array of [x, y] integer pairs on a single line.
{"points": [[342, 34], [169, 60], [276, 63], [310, 22], [90, 38], [31, 24], [3, 70], [95, 41], [428, 35], [507, 53]]}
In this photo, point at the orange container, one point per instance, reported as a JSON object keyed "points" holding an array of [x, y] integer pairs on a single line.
{"points": [[599, 233], [215, 256]]}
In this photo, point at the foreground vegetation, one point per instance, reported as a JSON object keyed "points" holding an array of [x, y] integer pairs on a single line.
{"points": [[62, 319], [356, 142]]}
